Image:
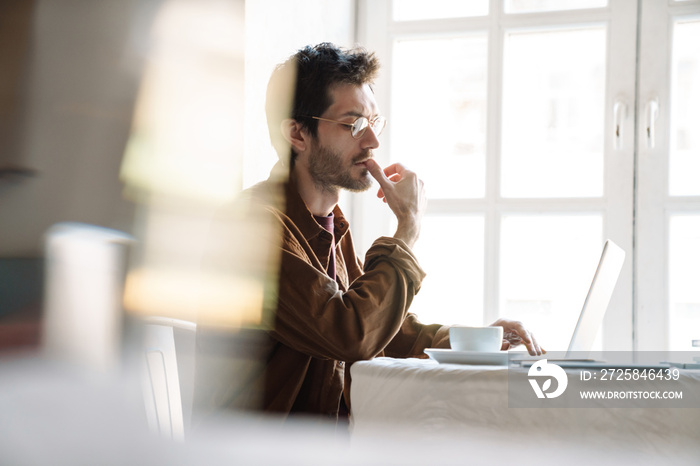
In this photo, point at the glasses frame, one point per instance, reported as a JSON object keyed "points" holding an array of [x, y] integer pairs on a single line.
{"points": [[360, 133]]}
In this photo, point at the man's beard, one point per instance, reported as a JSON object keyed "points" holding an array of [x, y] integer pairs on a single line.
{"points": [[330, 172]]}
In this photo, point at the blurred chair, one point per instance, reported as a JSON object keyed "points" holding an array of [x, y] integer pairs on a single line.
{"points": [[169, 375]]}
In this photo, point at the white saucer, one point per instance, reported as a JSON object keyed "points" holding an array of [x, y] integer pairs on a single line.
{"points": [[450, 356]]}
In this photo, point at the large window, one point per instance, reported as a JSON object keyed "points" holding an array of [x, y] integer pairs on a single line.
{"points": [[520, 115], [668, 232]]}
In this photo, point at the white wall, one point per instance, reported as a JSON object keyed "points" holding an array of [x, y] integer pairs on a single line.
{"points": [[83, 78]]}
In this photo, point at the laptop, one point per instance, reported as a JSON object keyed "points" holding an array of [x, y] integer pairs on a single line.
{"points": [[593, 311]]}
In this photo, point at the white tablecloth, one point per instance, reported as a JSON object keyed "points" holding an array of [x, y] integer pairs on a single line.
{"points": [[438, 398], [60, 415]]}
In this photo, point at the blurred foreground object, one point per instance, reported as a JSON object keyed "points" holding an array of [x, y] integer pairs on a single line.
{"points": [[83, 307], [201, 257], [54, 414], [183, 162]]}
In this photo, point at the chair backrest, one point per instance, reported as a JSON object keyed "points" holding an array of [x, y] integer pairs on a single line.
{"points": [[162, 376]]}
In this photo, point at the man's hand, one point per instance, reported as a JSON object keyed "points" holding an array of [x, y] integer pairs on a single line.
{"points": [[403, 191], [514, 334]]}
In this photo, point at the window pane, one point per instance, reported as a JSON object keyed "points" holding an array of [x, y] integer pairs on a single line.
{"points": [[547, 265], [684, 277], [453, 290], [684, 159], [553, 114], [530, 6], [438, 113], [408, 10]]}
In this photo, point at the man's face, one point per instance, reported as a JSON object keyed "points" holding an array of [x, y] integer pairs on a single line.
{"points": [[336, 159]]}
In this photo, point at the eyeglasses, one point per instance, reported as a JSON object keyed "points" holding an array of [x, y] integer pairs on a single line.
{"points": [[359, 126]]}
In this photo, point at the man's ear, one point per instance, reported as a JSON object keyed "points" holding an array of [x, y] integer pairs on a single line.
{"points": [[295, 135]]}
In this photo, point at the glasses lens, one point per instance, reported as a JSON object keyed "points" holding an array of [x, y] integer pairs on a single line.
{"points": [[359, 127], [378, 125]]}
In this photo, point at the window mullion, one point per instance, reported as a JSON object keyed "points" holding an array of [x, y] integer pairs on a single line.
{"points": [[493, 135]]}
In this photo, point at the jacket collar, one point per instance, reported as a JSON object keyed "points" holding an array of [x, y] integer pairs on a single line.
{"points": [[302, 217]]}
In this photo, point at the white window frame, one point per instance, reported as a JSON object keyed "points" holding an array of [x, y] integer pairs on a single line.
{"points": [[376, 31], [654, 205]]}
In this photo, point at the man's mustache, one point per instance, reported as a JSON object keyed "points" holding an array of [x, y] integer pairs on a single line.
{"points": [[363, 157]]}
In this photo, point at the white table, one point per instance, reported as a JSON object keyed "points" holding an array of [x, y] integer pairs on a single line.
{"points": [[439, 398]]}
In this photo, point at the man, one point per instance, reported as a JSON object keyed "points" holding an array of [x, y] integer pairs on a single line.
{"points": [[331, 309]]}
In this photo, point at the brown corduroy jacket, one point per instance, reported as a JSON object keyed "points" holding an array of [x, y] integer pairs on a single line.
{"points": [[321, 326]]}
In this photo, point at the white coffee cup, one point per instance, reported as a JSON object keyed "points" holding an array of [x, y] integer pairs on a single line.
{"points": [[482, 339]]}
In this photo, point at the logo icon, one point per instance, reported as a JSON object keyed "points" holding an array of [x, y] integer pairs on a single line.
{"points": [[547, 371]]}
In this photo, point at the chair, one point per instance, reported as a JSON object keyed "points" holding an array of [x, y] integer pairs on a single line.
{"points": [[168, 375]]}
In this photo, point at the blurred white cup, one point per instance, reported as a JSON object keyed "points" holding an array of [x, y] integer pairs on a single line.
{"points": [[483, 339]]}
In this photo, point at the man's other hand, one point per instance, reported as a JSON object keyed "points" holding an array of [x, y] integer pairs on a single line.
{"points": [[403, 191], [515, 334]]}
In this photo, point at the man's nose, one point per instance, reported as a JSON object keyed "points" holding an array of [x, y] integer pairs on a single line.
{"points": [[369, 139]]}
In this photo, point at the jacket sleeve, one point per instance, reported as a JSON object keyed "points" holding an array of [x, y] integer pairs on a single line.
{"points": [[317, 318], [414, 337]]}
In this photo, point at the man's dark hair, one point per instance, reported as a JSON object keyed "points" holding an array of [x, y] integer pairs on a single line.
{"points": [[300, 87]]}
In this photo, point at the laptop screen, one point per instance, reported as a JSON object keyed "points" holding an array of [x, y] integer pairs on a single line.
{"points": [[598, 298]]}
